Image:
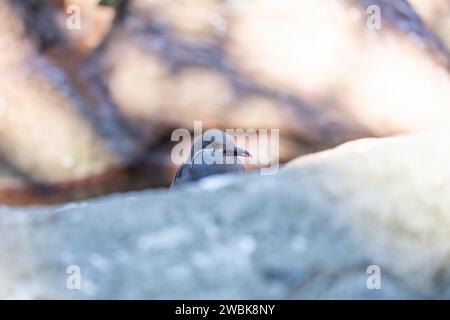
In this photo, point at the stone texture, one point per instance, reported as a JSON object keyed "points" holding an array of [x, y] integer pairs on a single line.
{"points": [[382, 79], [308, 232], [435, 13], [95, 20], [195, 21], [50, 135]]}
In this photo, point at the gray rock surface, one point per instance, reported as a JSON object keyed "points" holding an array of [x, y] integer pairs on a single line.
{"points": [[310, 231]]}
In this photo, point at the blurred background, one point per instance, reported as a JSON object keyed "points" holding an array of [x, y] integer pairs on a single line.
{"points": [[90, 91]]}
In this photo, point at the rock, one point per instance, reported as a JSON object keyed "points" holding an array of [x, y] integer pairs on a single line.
{"points": [[51, 137], [199, 21], [275, 66], [311, 231], [95, 22], [304, 48], [435, 13], [38, 21]]}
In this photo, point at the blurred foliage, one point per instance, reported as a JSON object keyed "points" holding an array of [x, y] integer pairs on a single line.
{"points": [[113, 3]]}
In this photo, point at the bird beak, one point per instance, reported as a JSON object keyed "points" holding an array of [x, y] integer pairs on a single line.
{"points": [[239, 152]]}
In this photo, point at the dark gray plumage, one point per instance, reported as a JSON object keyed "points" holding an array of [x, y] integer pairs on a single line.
{"points": [[212, 153]]}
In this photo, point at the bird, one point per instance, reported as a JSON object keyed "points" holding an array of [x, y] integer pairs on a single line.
{"points": [[212, 153]]}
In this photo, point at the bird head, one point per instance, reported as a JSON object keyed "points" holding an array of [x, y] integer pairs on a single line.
{"points": [[217, 143]]}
